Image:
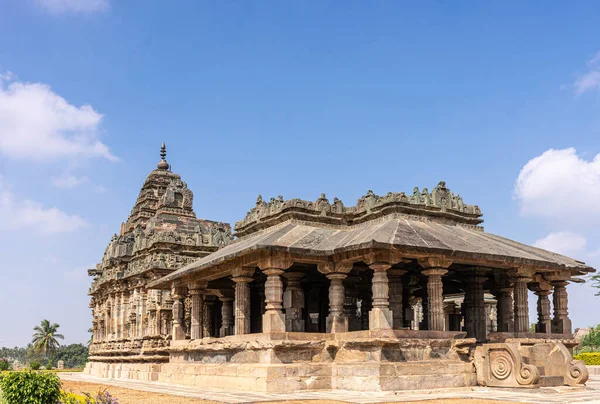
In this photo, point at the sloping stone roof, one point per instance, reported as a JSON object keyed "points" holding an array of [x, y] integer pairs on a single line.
{"points": [[410, 235]]}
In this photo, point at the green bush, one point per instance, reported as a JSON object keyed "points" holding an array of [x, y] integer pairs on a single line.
{"points": [[48, 365], [590, 358], [4, 365], [34, 365], [30, 387]]}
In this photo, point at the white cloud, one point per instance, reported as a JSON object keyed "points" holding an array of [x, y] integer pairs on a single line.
{"points": [[564, 242], [68, 181], [74, 6], [590, 80], [38, 124], [561, 186], [30, 215]]}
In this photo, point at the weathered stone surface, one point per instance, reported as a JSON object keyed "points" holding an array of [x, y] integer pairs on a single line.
{"points": [[501, 365], [553, 359]]}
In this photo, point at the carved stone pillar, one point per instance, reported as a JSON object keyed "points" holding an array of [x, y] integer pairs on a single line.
{"points": [[474, 305], [350, 302], [116, 312], [396, 296], [293, 302], [435, 298], [152, 323], [506, 321], [521, 304], [124, 315], [336, 321], [543, 310], [242, 304], [197, 323], [143, 296], [178, 294], [207, 321], [273, 320], [561, 323], [380, 316], [365, 309], [226, 316], [273, 266]]}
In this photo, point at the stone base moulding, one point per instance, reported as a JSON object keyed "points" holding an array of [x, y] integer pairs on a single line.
{"points": [[385, 360]]}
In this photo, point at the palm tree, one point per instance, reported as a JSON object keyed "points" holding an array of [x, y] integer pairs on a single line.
{"points": [[44, 338]]}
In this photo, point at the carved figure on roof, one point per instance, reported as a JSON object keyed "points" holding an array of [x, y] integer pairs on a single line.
{"points": [[338, 206], [441, 196], [322, 204], [370, 200], [221, 236], [426, 198], [416, 196]]}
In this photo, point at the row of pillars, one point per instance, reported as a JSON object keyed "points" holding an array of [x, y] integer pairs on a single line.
{"points": [[385, 308]]}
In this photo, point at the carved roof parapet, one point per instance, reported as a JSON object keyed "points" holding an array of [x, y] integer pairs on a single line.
{"points": [[441, 203]]}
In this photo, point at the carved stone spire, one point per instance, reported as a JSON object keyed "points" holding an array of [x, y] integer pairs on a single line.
{"points": [[163, 165]]}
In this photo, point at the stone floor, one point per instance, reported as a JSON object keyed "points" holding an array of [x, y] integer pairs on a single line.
{"points": [[589, 394]]}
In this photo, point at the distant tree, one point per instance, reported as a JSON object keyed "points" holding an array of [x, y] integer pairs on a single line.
{"points": [[592, 340], [596, 282], [45, 337], [14, 354], [74, 356]]}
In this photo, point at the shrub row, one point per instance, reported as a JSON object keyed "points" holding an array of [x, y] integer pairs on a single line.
{"points": [[30, 387], [590, 358]]}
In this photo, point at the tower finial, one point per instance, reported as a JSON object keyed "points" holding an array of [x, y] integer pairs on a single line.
{"points": [[163, 165]]}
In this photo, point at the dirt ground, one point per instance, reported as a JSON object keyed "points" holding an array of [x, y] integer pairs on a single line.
{"points": [[128, 396]]}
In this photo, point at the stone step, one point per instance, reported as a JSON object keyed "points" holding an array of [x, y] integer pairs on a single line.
{"points": [[551, 381]]}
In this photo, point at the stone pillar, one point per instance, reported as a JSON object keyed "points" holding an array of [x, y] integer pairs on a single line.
{"points": [[435, 298], [293, 302], [543, 325], [474, 306], [450, 316], [350, 300], [197, 323], [336, 321], [417, 305], [561, 323], [178, 294], [521, 305], [380, 316], [143, 296], [226, 316], [367, 305], [506, 321], [116, 312], [207, 321], [124, 314], [242, 304], [396, 296], [273, 319]]}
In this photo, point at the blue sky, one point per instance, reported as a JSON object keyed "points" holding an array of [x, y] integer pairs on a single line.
{"points": [[292, 98]]}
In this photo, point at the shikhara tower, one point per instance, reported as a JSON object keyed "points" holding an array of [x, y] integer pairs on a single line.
{"points": [[161, 235]]}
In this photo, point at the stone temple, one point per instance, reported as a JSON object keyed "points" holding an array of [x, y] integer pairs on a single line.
{"points": [[400, 291]]}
